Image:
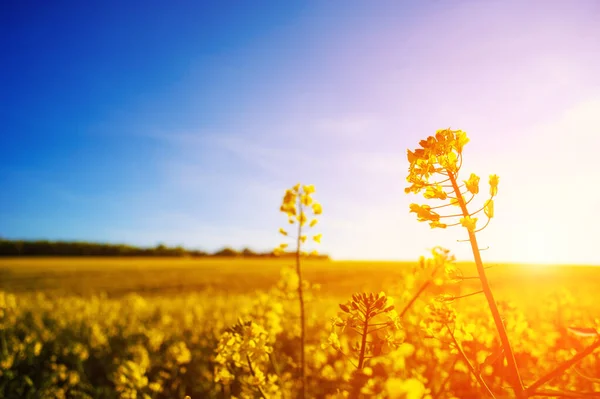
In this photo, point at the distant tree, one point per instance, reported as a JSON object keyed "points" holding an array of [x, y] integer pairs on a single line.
{"points": [[19, 246], [227, 251], [197, 253], [247, 252], [179, 251], [82, 248]]}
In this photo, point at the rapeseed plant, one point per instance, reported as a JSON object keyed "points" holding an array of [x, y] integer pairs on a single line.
{"points": [[368, 316], [299, 206], [245, 347], [434, 170]]}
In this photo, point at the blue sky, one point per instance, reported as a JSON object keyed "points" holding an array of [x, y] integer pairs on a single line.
{"points": [[141, 122]]}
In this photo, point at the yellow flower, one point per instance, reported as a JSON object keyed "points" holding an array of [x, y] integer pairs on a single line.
{"points": [[333, 341], [473, 183], [414, 156], [317, 238], [289, 197], [283, 245], [488, 209], [289, 208], [282, 231], [223, 375], [296, 188], [438, 225], [469, 222], [424, 213], [317, 209], [313, 222], [306, 199], [494, 185], [435, 192], [303, 238], [302, 218], [461, 140], [450, 162], [410, 388], [309, 189], [156, 387]]}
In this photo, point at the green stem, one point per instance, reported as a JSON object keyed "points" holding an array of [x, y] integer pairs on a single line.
{"points": [[515, 377]]}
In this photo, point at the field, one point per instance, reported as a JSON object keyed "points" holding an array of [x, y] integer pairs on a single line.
{"points": [[150, 328]]}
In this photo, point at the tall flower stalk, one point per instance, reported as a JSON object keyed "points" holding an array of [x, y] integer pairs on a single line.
{"points": [[299, 205], [434, 170]]}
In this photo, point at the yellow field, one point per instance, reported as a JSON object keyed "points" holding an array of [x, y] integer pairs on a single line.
{"points": [[117, 276], [104, 328]]}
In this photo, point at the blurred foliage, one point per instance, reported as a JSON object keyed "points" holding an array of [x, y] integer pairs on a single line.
{"points": [[80, 248]]}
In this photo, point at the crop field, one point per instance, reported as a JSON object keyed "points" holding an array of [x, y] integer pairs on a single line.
{"points": [[165, 328]]}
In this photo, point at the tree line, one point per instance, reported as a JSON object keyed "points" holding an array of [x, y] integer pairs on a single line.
{"points": [[82, 248]]}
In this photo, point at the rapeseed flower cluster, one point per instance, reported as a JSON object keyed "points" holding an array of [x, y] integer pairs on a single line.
{"points": [[301, 209], [371, 318], [244, 350], [434, 170]]}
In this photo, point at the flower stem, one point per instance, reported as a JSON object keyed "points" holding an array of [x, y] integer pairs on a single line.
{"points": [[419, 292], [301, 300], [363, 343], [260, 390], [561, 368], [465, 359], [515, 377], [414, 298]]}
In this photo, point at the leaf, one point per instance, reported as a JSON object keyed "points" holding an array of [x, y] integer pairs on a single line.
{"points": [[584, 331]]}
